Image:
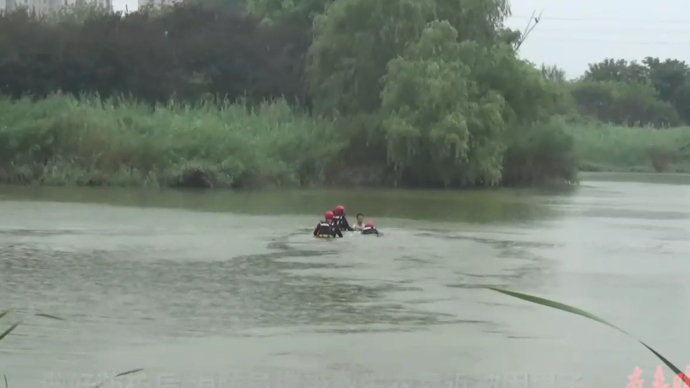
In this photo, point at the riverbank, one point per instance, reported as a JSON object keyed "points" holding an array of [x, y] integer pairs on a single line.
{"points": [[65, 141], [607, 148], [60, 140]]}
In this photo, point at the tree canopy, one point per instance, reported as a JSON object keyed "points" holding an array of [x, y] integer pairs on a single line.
{"points": [[430, 92]]}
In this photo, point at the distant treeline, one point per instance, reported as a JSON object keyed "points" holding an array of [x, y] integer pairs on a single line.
{"points": [[192, 51], [186, 54], [426, 93], [654, 92]]}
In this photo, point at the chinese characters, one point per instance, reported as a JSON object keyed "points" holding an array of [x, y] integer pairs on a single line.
{"points": [[682, 380]]}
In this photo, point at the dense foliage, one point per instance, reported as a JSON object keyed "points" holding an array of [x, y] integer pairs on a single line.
{"points": [[417, 93], [116, 142], [653, 92]]}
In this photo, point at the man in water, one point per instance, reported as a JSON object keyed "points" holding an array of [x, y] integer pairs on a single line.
{"points": [[359, 225], [369, 228], [327, 228], [339, 219]]}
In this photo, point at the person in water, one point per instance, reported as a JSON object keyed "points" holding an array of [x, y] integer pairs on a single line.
{"points": [[359, 225], [339, 219], [369, 228], [327, 228]]}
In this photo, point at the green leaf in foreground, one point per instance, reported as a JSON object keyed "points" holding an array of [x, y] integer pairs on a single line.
{"points": [[49, 316], [9, 330], [14, 326], [129, 372], [576, 311]]}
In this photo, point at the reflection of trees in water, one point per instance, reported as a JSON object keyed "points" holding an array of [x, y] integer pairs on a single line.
{"points": [[485, 206]]}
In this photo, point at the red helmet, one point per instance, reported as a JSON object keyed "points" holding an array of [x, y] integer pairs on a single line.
{"points": [[329, 215], [369, 225], [339, 210]]}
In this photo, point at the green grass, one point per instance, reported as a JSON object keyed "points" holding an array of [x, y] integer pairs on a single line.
{"points": [[63, 140], [622, 149]]}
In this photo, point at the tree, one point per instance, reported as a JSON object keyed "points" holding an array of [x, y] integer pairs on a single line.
{"points": [[355, 40], [553, 73], [437, 82], [624, 103], [616, 70], [671, 79], [183, 52], [232, 5], [429, 92], [276, 11], [441, 126], [653, 92]]}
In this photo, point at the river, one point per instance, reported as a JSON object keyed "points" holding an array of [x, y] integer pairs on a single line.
{"points": [[221, 289]]}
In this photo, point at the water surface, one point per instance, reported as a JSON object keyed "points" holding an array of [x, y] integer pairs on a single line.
{"points": [[229, 288]]}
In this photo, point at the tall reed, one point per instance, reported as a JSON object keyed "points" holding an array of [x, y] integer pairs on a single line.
{"points": [[65, 140], [643, 149]]}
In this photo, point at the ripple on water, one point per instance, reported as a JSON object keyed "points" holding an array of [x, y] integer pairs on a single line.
{"points": [[166, 299]]}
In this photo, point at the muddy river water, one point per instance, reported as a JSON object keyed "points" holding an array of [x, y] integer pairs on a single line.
{"points": [[222, 289]]}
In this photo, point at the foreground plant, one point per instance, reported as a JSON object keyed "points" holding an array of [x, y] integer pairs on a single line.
{"points": [[582, 313], [14, 326], [119, 375]]}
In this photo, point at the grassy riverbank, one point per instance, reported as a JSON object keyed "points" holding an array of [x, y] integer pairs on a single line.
{"points": [[622, 149], [61, 140]]}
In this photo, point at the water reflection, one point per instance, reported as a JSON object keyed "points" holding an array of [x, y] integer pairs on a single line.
{"points": [[500, 205]]}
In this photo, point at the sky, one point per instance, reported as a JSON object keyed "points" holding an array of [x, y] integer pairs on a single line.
{"points": [[574, 33]]}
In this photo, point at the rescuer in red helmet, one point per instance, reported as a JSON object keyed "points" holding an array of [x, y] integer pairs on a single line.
{"points": [[339, 219], [327, 228], [369, 228]]}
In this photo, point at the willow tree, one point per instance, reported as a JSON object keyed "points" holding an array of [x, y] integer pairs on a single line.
{"points": [[277, 11], [355, 39], [441, 124], [452, 108]]}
